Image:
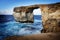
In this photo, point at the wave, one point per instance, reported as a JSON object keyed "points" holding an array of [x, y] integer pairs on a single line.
{"points": [[6, 18], [15, 28]]}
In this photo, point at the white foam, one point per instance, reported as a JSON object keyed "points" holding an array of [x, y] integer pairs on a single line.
{"points": [[37, 20]]}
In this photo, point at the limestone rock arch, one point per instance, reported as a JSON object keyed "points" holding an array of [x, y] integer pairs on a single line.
{"points": [[49, 12]]}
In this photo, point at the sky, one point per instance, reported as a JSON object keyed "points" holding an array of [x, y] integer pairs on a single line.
{"points": [[7, 6]]}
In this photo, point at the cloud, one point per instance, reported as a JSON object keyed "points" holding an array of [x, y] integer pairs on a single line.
{"points": [[10, 12], [37, 11], [6, 12]]}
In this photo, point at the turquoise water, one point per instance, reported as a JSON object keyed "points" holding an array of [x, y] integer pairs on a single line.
{"points": [[11, 27]]}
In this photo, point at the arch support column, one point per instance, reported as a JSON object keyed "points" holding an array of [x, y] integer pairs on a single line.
{"points": [[24, 15]]}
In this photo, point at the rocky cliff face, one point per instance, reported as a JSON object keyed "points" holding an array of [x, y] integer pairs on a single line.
{"points": [[24, 13], [50, 15]]}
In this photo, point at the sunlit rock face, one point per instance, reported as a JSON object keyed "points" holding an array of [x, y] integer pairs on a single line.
{"points": [[24, 17], [50, 15], [25, 13]]}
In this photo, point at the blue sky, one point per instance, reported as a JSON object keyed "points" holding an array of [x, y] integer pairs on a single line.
{"points": [[7, 5]]}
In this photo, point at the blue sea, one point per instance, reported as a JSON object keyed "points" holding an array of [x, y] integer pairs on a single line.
{"points": [[9, 27]]}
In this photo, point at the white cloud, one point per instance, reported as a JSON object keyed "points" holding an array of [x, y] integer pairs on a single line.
{"points": [[37, 11], [6, 12], [10, 12]]}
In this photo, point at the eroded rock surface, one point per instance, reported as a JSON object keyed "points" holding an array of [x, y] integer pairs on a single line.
{"points": [[50, 15], [24, 13]]}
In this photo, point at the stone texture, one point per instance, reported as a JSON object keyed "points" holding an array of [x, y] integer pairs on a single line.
{"points": [[50, 15]]}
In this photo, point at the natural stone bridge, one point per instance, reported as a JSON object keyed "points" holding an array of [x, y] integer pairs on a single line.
{"points": [[25, 13], [50, 15]]}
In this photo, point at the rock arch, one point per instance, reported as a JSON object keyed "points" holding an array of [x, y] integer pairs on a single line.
{"points": [[26, 13], [49, 12]]}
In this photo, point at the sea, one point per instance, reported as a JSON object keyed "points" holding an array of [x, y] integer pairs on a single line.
{"points": [[9, 27]]}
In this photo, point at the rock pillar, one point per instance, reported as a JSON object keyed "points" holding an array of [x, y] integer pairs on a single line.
{"points": [[51, 17], [24, 15]]}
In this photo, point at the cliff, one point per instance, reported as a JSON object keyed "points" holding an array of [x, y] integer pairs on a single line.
{"points": [[51, 17]]}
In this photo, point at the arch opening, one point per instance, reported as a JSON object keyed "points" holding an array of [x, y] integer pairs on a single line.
{"points": [[38, 18], [37, 11]]}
